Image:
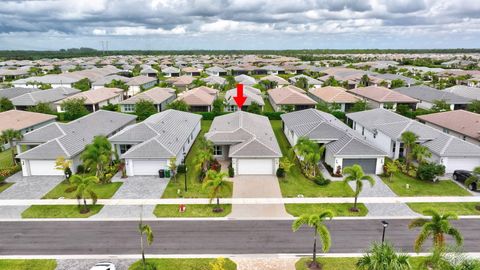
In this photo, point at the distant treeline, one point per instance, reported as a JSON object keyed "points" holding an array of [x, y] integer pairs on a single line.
{"points": [[85, 52]]}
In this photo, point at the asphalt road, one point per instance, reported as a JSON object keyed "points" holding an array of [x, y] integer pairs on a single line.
{"points": [[206, 237]]}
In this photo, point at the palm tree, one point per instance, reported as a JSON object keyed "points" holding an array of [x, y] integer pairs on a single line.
{"points": [[392, 168], [147, 230], [216, 181], [98, 155], [8, 136], [436, 227], [383, 257], [302, 82], [316, 221], [310, 153], [420, 153], [355, 173], [83, 186], [408, 139], [286, 164], [204, 154]]}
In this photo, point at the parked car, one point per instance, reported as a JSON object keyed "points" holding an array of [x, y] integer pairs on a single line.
{"points": [[104, 266], [462, 175]]}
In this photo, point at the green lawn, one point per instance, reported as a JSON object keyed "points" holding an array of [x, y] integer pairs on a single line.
{"points": [[348, 263], [103, 191], [295, 182], [6, 159], [268, 106], [4, 186], [194, 186], [461, 209], [193, 210], [28, 264], [338, 209], [58, 211], [423, 188], [183, 264]]}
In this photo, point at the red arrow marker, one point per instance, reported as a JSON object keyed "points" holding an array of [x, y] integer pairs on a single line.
{"points": [[240, 98]]}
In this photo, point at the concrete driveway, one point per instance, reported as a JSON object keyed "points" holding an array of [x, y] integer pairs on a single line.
{"points": [[134, 187], [257, 186], [25, 188]]}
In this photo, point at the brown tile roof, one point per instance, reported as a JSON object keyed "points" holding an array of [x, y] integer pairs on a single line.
{"points": [[382, 94], [332, 94], [95, 96], [290, 95], [463, 122], [18, 120], [200, 96]]}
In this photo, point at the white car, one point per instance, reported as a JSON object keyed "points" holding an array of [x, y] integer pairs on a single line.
{"points": [[104, 266]]}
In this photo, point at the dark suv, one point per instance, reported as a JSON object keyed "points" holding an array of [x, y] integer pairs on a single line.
{"points": [[462, 175]]}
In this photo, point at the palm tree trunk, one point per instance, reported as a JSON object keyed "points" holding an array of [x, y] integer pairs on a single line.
{"points": [[13, 152], [85, 204], [314, 262], [218, 202], [143, 249], [355, 202]]}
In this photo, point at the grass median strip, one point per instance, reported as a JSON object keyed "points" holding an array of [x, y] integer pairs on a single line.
{"points": [[338, 209], [59, 211], [103, 191], [191, 210], [423, 188], [183, 264], [28, 264], [349, 263], [458, 208]]}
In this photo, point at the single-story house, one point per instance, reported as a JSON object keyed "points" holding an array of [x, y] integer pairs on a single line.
{"points": [[343, 146], [49, 96], [160, 97], [199, 99], [247, 141], [384, 128], [149, 71], [171, 71], [140, 83], [23, 121], [212, 80], [334, 95], [147, 147], [273, 78], [464, 91], [245, 80], [13, 92], [216, 71], [183, 82], [388, 78], [252, 94], [290, 96], [55, 80], [428, 95], [67, 140], [191, 71], [459, 123], [311, 81], [100, 83], [381, 97], [95, 99], [274, 70]]}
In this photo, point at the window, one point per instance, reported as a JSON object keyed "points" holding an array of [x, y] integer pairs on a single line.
{"points": [[464, 138], [363, 131], [217, 150], [124, 148], [446, 130], [129, 107]]}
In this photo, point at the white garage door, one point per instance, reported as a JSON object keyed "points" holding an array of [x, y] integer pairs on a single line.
{"points": [[461, 164], [43, 167], [148, 167], [255, 166]]}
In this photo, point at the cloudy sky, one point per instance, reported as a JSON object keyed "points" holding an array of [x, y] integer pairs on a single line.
{"points": [[239, 24]]}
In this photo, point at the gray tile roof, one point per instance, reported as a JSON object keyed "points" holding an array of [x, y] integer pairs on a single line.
{"points": [[162, 135], [321, 126], [250, 135], [70, 139], [393, 125], [429, 94], [46, 96], [465, 91], [215, 80], [249, 92], [16, 91]]}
